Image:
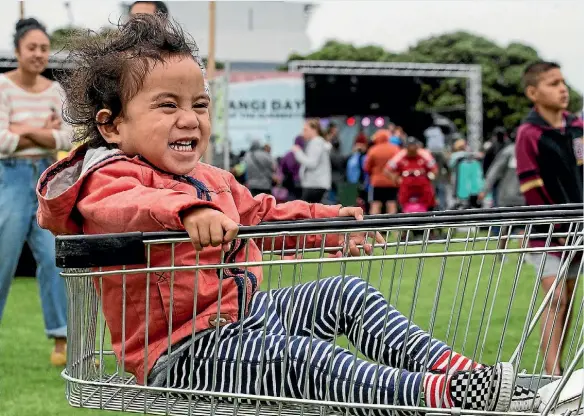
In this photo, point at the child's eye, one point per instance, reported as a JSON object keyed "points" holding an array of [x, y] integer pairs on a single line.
{"points": [[201, 105], [168, 105]]}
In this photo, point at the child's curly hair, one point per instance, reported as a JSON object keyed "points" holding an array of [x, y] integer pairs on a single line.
{"points": [[110, 69]]}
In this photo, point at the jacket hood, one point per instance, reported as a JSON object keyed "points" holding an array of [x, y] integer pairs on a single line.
{"points": [[59, 187], [381, 136], [535, 118]]}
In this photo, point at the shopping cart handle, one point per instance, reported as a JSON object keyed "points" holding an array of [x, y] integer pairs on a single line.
{"points": [[104, 250], [101, 250]]}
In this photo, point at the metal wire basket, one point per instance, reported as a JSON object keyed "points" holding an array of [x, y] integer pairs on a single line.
{"points": [[472, 289]]}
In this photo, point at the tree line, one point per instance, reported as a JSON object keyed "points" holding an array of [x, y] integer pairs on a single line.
{"points": [[504, 103]]}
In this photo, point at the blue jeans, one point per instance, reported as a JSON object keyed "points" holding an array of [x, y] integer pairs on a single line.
{"points": [[18, 223], [442, 195]]}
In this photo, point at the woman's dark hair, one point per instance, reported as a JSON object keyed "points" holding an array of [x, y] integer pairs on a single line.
{"points": [[23, 26], [500, 133], [110, 70], [160, 6]]}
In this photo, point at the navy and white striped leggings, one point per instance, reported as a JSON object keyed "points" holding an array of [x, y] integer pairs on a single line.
{"points": [[283, 360]]}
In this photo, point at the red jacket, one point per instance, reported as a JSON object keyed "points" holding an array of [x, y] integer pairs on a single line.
{"points": [[414, 176], [94, 193]]}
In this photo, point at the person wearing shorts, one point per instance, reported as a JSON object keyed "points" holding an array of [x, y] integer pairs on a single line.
{"points": [[551, 266], [384, 193], [550, 159]]}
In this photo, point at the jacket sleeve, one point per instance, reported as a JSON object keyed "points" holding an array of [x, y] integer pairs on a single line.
{"points": [[368, 164], [118, 201], [496, 170], [263, 208], [8, 140], [429, 160], [63, 136], [531, 184], [392, 165], [309, 160]]}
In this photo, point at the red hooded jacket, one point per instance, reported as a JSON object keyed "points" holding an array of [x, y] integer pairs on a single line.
{"points": [[97, 191]]}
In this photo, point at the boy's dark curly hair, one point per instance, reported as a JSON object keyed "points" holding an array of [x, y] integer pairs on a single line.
{"points": [[110, 69]]}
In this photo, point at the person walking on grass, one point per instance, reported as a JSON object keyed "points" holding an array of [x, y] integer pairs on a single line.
{"points": [[550, 159], [31, 133], [384, 188], [315, 162], [260, 169]]}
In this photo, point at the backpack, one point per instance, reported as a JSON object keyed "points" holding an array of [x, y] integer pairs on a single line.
{"points": [[354, 170]]}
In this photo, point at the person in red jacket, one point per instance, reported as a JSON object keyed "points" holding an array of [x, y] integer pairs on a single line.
{"points": [[145, 117], [413, 168], [384, 188]]}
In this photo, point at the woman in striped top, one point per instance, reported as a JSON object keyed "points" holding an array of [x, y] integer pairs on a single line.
{"points": [[31, 132]]}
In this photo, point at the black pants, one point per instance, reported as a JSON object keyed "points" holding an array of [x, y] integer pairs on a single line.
{"points": [[313, 195]]}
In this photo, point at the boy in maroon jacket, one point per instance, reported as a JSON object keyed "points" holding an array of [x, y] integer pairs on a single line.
{"points": [[549, 165]]}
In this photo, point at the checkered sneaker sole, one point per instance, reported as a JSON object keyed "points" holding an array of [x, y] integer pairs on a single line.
{"points": [[487, 388], [524, 400]]}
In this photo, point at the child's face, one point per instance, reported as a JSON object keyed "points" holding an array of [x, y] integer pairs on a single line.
{"points": [[167, 121], [551, 91]]}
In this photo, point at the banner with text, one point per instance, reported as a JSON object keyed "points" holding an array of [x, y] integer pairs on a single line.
{"points": [[270, 110]]}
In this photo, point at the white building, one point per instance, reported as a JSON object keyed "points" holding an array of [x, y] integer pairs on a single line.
{"points": [[252, 35]]}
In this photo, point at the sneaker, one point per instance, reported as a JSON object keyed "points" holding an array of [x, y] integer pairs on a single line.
{"points": [[491, 389], [524, 400]]}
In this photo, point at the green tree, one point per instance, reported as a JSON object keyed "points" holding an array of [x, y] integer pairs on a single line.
{"points": [[60, 37], [503, 100]]}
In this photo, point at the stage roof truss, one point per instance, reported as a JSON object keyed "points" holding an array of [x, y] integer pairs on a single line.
{"points": [[472, 74]]}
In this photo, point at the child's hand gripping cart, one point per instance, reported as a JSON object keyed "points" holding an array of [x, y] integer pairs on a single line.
{"points": [[482, 302]]}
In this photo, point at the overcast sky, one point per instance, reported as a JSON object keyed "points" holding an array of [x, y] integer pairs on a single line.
{"points": [[553, 27]]}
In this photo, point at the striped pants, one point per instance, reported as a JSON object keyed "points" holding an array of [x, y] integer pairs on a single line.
{"points": [[283, 348]]}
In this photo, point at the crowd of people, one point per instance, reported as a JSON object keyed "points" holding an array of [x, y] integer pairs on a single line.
{"points": [[538, 163], [137, 169], [390, 171]]}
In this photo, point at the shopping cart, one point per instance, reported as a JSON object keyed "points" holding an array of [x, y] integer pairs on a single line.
{"points": [[472, 290]]}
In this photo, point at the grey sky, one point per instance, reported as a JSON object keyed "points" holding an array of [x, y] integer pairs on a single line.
{"points": [[553, 27]]}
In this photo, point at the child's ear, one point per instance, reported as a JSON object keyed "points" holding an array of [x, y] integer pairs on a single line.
{"points": [[108, 127], [530, 92]]}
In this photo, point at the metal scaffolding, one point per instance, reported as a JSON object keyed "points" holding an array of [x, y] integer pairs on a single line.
{"points": [[472, 74]]}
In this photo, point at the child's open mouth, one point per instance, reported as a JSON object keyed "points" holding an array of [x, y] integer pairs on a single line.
{"points": [[183, 145]]}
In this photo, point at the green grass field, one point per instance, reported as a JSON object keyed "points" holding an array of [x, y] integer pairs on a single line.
{"points": [[30, 386]]}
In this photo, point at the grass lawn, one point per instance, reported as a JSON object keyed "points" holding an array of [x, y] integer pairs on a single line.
{"points": [[471, 313]]}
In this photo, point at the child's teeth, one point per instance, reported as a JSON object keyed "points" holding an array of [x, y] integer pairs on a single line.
{"points": [[182, 146]]}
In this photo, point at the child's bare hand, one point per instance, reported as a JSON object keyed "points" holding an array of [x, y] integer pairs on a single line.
{"points": [[209, 227], [351, 212], [52, 122], [357, 239]]}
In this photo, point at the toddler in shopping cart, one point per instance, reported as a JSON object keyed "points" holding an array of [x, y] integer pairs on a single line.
{"points": [[140, 100]]}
